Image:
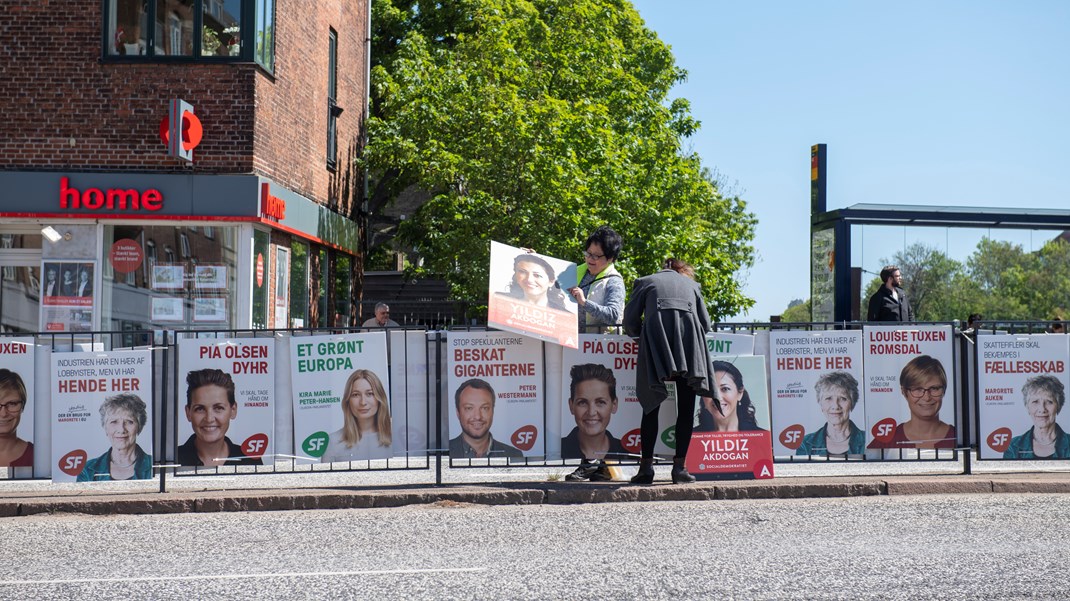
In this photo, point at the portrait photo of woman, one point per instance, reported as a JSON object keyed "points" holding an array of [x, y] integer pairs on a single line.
{"points": [[14, 451], [535, 282], [592, 402], [123, 417], [923, 383], [738, 411], [210, 407], [366, 429], [837, 395], [1044, 397]]}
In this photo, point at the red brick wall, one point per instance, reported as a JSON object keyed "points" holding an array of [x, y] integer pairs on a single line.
{"points": [[54, 87]]}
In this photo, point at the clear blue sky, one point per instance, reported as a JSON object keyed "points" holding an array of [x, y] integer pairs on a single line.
{"points": [[960, 103]]}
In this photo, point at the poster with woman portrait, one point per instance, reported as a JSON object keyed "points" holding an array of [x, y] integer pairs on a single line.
{"points": [[102, 416], [601, 413], [16, 402], [815, 378], [909, 386], [495, 395], [226, 390], [1022, 382], [341, 397], [736, 440], [529, 295]]}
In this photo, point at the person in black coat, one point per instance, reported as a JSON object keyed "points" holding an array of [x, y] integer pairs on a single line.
{"points": [[889, 302], [668, 315]]}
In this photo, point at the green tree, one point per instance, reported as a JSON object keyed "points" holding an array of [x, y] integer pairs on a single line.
{"points": [[531, 122], [938, 286], [797, 312]]}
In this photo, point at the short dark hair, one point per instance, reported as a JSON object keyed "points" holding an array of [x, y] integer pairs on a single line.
{"points": [[888, 272], [608, 239], [209, 377], [476, 383], [592, 371]]}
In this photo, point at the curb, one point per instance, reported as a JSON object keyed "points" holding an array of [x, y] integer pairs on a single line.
{"points": [[540, 493]]}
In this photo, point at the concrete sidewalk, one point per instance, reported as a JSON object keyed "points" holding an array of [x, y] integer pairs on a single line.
{"points": [[37, 499]]}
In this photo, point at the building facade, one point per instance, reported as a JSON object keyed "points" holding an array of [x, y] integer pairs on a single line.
{"points": [[174, 164]]}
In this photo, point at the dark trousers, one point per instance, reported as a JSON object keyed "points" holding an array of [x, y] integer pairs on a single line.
{"points": [[685, 415]]}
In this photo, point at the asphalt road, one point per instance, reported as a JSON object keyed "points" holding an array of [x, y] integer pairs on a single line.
{"points": [[911, 547]]}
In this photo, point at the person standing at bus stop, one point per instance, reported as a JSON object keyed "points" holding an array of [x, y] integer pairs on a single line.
{"points": [[668, 315], [890, 302]]}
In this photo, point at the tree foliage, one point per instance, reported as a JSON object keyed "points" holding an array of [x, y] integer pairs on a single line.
{"points": [[532, 122]]}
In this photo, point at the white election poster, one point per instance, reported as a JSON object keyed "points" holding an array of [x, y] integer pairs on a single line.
{"points": [[229, 418], [1022, 382], [724, 344], [909, 392], [102, 416], [818, 409], [600, 415], [17, 396], [342, 405], [529, 295], [495, 395]]}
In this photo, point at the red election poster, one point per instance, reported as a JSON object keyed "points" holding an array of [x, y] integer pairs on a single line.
{"points": [[909, 386], [601, 413], [529, 295], [737, 443]]}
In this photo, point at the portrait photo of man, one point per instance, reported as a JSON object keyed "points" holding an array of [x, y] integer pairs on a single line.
{"points": [[474, 400]]}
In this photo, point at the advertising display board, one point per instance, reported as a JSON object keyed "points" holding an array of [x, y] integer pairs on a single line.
{"points": [[102, 416], [17, 400], [600, 412], [739, 442], [909, 386], [341, 400], [1022, 382], [529, 295], [226, 387], [495, 393], [818, 409]]}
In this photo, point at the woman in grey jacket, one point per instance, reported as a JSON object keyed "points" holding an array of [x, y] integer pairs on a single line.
{"points": [[668, 315]]}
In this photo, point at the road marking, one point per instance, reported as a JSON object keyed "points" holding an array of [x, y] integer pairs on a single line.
{"points": [[240, 576]]}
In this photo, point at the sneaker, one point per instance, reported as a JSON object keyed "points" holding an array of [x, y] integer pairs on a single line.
{"points": [[586, 470]]}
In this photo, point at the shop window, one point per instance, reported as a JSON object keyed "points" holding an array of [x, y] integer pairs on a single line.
{"points": [[197, 291], [261, 275], [209, 232], [324, 271], [343, 282], [208, 30], [183, 243], [299, 288]]}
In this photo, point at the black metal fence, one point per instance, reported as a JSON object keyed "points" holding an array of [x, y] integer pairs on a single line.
{"points": [[418, 363]]}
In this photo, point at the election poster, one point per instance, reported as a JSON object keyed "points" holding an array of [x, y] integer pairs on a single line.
{"points": [[409, 400], [226, 387], [529, 295], [495, 395], [601, 413], [736, 441], [67, 296], [818, 409], [725, 344], [17, 400], [1022, 382], [341, 398], [909, 393], [102, 416]]}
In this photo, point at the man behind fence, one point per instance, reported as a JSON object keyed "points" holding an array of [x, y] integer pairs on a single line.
{"points": [[382, 318], [889, 302], [475, 412]]}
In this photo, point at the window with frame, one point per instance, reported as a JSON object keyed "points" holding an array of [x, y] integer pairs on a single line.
{"points": [[333, 110], [208, 30]]}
